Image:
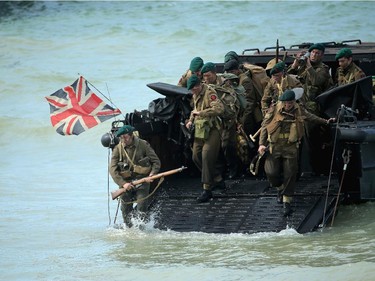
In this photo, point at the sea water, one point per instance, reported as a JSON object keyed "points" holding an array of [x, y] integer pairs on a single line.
{"points": [[56, 219]]}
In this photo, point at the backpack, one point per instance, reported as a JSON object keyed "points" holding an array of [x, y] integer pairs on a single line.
{"points": [[259, 77], [230, 100]]}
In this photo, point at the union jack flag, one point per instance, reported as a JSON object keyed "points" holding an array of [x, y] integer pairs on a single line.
{"points": [[75, 109]]}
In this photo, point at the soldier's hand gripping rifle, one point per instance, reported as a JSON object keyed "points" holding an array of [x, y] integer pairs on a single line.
{"points": [[120, 191]]}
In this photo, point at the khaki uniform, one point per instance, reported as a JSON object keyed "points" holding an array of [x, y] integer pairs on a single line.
{"points": [[350, 74], [252, 115], [184, 78], [274, 90], [129, 163], [206, 145], [283, 132], [315, 79], [228, 96]]}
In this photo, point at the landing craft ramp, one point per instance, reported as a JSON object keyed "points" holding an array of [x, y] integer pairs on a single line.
{"points": [[247, 205]]}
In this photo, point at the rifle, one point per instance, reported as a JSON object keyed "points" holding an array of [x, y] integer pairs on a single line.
{"points": [[120, 191], [277, 50]]}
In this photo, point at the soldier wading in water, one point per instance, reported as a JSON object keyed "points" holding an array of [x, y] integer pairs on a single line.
{"points": [[132, 159], [282, 130]]}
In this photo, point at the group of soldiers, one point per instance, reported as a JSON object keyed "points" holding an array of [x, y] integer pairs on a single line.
{"points": [[223, 104], [227, 104]]}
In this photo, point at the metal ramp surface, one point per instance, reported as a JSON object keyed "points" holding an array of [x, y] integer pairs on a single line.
{"points": [[247, 205]]}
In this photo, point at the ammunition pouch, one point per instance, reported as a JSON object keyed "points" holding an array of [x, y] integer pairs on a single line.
{"points": [[293, 134], [142, 170], [126, 174], [202, 129], [272, 138], [124, 169]]}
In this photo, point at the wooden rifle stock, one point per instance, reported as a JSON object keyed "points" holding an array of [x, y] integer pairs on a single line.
{"points": [[252, 137], [120, 191]]}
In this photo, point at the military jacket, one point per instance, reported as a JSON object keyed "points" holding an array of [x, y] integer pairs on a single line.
{"points": [[315, 79], [184, 78], [140, 153], [280, 126], [253, 98], [208, 104], [350, 74], [274, 90]]}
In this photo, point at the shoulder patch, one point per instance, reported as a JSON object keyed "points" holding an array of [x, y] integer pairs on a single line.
{"points": [[213, 97]]}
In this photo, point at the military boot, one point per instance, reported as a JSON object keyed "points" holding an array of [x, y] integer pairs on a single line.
{"points": [[205, 196], [219, 183], [128, 222], [280, 191], [287, 209]]}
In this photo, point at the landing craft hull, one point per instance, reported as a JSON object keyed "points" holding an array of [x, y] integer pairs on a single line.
{"points": [[248, 205]]}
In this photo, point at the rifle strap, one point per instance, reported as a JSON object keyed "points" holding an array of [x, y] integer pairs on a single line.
{"points": [[127, 156], [148, 196]]}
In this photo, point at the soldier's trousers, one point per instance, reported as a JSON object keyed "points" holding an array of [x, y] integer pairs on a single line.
{"points": [[281, 167], [205, 155], [229, 145], [133, 195]]}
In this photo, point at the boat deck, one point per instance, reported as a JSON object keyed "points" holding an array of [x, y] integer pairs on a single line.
{"points": [[247, 205]]}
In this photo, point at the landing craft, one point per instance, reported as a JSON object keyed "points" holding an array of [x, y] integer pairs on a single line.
{"points": [[344, 172]]}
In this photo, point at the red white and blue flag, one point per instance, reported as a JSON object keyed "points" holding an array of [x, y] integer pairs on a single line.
{"points": [[75, 109]]}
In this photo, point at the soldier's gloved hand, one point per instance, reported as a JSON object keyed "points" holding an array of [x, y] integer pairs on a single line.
{"points": [[331, 120]]}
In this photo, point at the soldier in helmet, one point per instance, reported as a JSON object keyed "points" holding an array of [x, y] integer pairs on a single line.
{"points": [[348, 71], [231, 55], [132, 159], [282, 131], [194, 68], [206, 147]]}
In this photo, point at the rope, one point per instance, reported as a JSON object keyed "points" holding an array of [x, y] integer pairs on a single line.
{"points": [[346, 156], [139, 200], [118, 205], [148, 196], [330, 173], [104, 96], [108, 192]]}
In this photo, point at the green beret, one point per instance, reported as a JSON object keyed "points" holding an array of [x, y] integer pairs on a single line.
{"points": [[345, 52], [193, 81], [231, 55], [196, 64], [288, 95], [318, 46], [127, 129], [208, 66], [279, 67], [231, 65]]}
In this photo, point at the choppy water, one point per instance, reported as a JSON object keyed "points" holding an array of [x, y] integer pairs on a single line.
{"points": [[53, 189]]}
